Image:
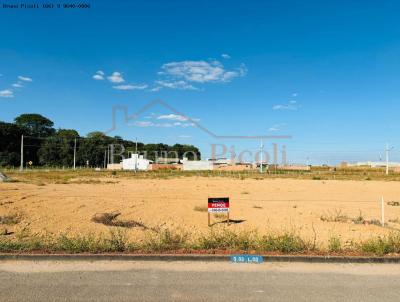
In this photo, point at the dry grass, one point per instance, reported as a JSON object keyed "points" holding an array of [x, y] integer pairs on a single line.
{"points": [[201, 208], [109, 219], [334, 216], [10, 219], [317, 173], [220, 216], [214, 241]]}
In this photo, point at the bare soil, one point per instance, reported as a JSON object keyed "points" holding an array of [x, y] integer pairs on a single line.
{"points": [[271, 205]]}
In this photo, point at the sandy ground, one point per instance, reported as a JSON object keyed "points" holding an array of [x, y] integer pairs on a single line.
{"points": [[265, 205]]}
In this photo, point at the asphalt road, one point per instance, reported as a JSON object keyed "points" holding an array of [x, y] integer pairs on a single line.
{"points": [[194, 281]]}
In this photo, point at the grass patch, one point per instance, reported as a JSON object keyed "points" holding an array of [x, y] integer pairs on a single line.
{"points": [[201, 208], [382, 245], [287, 243], [165, 240], [334, 244], [224, 239], [169, 240]]}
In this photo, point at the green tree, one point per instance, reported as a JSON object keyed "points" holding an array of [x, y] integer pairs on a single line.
{"points": [[35, 124], [10, 144], [58, 150]]}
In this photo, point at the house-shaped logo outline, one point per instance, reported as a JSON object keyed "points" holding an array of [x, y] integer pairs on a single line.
{"points": [[134, 116]]}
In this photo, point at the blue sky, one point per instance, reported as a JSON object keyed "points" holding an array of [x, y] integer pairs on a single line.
{"points": [[325, 73]]}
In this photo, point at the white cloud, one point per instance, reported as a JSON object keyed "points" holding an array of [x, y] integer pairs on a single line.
{"points": [[199, 71], [180, 121], [276, 127], [116, 77], [25, 79], [99, 75], [225, 56], [182, 85], [7, 93], [17, 85], [174, 117], [291, 105], [180, 75], [185, 136], [131, 87], [144, 124]]}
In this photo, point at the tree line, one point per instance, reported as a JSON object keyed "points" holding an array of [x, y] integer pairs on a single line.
{"points": [[46, 146]]}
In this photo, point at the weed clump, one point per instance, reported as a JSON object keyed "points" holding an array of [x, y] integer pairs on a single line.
{"points": [[287, 242], [334, 216], [10, 219], [109, 219], [381, 245], [227, 240], [334, 244], [200, 208], [165, 240]]}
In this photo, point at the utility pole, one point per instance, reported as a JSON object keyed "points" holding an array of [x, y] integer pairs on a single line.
{"points": [[261, 156], [136, 147], [21, 168], [105, 157], [108, 155], [387, 158], [75, 153]]}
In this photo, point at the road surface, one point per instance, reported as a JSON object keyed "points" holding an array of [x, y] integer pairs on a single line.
{"points": [[196, 281]]}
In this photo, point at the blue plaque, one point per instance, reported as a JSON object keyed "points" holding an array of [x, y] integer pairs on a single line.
{"points": [[247, 259]]}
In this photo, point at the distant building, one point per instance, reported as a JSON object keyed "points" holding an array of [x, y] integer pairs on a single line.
{"points": [[167, 160], [136, 163], [197, 165], [375, 164], [222, 161]]}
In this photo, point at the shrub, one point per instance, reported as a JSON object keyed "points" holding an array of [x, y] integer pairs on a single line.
{"points": [[227, 240], [382, 245], [164, 240], [334, 244], [285, 243]]}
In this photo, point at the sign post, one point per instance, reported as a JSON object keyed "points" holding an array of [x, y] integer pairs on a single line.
{"points": [[218, 205]]}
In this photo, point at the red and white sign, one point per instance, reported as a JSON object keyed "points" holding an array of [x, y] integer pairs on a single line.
{"points": [[218, 204]]}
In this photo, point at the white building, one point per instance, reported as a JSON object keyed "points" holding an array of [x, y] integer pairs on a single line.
{"points": [[136, 163], [197, 165], [375, 164]]}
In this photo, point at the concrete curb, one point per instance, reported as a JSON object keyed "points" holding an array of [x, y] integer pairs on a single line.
{"points": [[192, 257]]}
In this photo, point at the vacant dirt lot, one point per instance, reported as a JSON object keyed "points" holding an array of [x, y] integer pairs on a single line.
{"points": [[266, 205]]}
